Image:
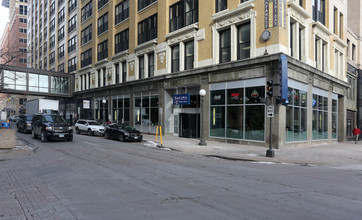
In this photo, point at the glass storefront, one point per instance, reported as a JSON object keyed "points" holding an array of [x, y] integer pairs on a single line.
{"points": [[101, 110], [334, 116], [237, 110], [296, 115], [146, 112], [120, 108]]}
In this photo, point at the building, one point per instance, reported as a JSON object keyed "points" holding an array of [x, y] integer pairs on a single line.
{"points": [[354, 57], [145, 61], [5, 3]]}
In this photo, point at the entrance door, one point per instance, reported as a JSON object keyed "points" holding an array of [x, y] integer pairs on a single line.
{"points": [[189, 125]]}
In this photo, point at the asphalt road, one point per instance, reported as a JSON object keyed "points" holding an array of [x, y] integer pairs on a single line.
{"points": [[95, 178]]}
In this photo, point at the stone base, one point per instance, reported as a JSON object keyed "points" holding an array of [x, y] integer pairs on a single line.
{"points": [[7, 138]]}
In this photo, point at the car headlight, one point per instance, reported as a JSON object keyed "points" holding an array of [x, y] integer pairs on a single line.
{"points": [[28, 125], [126, 134], [48, 128], [70, 128]]}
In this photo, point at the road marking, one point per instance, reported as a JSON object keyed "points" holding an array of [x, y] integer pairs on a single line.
{"points": [[91, 144]]}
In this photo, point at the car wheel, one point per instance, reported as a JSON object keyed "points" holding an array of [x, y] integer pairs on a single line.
{"points": [[43, 138], [77, 130], [106, 136], [121, 137], [33, 135], [90, 132]]}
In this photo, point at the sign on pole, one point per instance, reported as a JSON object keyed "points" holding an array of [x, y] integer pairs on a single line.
{"points": [[270, 111]]}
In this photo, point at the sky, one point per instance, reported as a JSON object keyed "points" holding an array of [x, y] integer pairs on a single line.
{"points": [[4, 13]]}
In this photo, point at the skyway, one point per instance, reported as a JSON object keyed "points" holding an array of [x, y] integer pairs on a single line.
{"points": [[27, 81]]}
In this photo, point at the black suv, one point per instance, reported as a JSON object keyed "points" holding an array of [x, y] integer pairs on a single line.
{"points": [[24, 123], [51, 126]]}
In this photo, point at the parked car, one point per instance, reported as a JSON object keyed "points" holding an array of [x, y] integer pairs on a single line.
{"points": [[13, 118], [24, 123], [91, 127], [122, 132], [51, 126]]}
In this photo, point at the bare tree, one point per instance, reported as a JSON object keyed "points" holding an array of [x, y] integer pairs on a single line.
{"points": [[8, 56]]}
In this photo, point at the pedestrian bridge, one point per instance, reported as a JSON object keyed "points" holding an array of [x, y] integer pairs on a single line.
{"points": [[27, 81]]}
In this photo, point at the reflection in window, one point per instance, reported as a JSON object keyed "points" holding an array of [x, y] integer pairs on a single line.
{"points": [[296, 116], [320, 117]]}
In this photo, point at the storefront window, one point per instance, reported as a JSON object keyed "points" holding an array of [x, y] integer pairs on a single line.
{"points": [[320, 117], [146, 113], [120, 107], [238, 113], [296, 116]]}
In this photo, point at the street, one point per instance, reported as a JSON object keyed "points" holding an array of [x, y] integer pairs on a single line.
{"points": [[97, 178]]}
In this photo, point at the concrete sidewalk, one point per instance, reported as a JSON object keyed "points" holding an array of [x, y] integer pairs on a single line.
{"points": [[344, 154]]}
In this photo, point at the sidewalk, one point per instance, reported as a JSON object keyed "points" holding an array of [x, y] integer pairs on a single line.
{"points": [[344, 154]]}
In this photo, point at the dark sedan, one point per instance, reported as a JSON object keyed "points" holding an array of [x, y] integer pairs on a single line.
{"points": [[24, 123], [122, 132]]}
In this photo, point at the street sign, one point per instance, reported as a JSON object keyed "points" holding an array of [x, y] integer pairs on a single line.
{"points": [[270, 111]]}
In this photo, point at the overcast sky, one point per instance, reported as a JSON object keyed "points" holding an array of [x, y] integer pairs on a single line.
{"points": [[4, 18]]}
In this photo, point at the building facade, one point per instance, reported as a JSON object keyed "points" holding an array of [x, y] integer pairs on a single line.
{"points": [[138, 59]]}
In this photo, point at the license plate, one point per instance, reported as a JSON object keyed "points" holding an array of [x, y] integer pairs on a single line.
{"points": [[61, 135], [135, 137]]}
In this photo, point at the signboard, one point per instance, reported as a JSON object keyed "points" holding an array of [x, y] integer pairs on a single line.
{"points": [[86, 104], [270, 111], [283, 79], [181, 99]]}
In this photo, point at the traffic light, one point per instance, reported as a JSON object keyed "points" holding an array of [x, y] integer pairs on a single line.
{"points": [[269, 88]]}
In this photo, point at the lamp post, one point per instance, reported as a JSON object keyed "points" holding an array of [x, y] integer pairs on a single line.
{"points": [[202, 94], [104, 101]]}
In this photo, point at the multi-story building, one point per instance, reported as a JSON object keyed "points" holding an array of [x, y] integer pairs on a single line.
{"points": [[14, 39], [145, 61], [53, 35], [354, 61]]}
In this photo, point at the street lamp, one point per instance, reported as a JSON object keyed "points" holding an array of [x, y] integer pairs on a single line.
{"points": [[104, 101], [202, 94]]}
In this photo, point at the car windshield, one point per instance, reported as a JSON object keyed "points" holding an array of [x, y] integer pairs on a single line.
{"points": [[29, 117], [92, 123], [126, 127], [53, 118]]}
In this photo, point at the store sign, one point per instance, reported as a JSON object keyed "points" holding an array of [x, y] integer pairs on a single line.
{"points": [[86, 104], [181, 99]]}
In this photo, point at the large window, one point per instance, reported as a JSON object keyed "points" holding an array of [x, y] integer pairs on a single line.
{"points": [[121, 41], [146, 113], [14, 80], [124, 71], [61, 51], [72, 4], [320, 116], [86, 58], [141, 67], [120, 107], [183, 14], [244, 41], [237, 110], [144, 3], [103, 24], [221, 5], [72, 64], [319, 10], [86, 35], [225, 46], [147, 29], [72, 44], [38, 83], [61, 34], [59, 85], [72, 24], [334, 116], [61, 16], [102, 50], [86, 11], [296, 115], [175, 57], [101, 3], [189, 55], [151, 64], [122, 11]]}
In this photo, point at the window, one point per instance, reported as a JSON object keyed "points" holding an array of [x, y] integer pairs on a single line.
{"points": [[86, 11], [72, 64], [52, 41], [60, 2], [151, 64], [52, 58], [296, 115], [335, 14], [86, 58], [340, 33], [72, 24], [175, 57], [23, 9], [52, 9], [144, 3], [103, 24], [23, 20], [120, 106], [353, 52], [61, 34], [86, 35], [72, 44], [61, 51], [22, 60], [61, 68], [318, 7], [124, 71], [320, 117], [23, 30], [22, 40], [101, 3], [189, 55], [147, 29], [121, 41], [220, 5], [61, 16], [146, 112], [116, 68], [225, 46], [22, 50], [320, 53], [183, 14], [244, 41], [102, 50], [72, 4], [141, 65], [52, 25], [45, 62], [122, 11]]}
